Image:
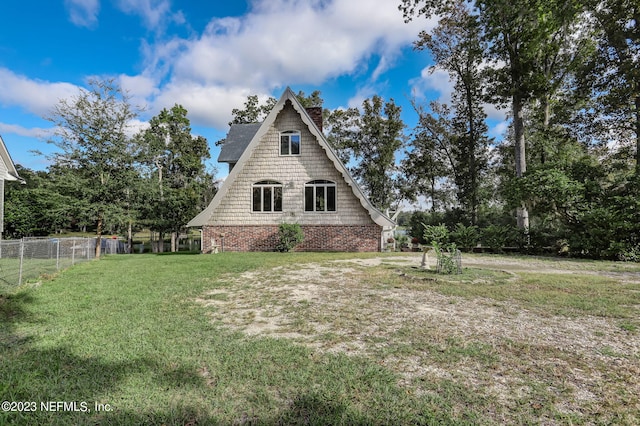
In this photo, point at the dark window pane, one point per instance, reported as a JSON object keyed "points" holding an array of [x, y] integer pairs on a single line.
{"points": [[266, 199], [277, 199], [320, 199], [308, 199], [295, 144], [257, 199], [331, 198], [284, 145]]}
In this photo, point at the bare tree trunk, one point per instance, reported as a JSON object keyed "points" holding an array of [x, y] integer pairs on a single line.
{"points": [[99, 237], [637, 102], [174, 242], [546, 107], [472, 157], [522, 215], [130, 238]]}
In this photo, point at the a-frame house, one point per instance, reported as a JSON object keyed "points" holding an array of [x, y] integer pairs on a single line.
{"points": [[283, 170]]}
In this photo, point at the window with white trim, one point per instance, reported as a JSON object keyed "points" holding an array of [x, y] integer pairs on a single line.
{"points": [[320, 196], [267, 196], [290, 142]]}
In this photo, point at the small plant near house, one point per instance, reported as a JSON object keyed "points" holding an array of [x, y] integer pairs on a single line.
{"points": [[448, 257], [402, 241], [289, 235]]}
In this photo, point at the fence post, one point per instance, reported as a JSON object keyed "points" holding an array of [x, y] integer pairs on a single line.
{"points": [[57, 254], [21, 260]]}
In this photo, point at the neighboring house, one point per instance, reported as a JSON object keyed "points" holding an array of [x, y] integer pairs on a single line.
{"points": [[7, 172], [284, 171]]}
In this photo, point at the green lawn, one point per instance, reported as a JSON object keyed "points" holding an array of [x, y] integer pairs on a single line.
{"points": [[127, 335]]}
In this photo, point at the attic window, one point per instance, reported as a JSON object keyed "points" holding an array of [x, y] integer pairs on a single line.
{"points": [[320, 196], [290, 142], [267, 196]]}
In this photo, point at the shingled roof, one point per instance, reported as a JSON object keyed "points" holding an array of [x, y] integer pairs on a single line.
{"points": [[237, 141]]}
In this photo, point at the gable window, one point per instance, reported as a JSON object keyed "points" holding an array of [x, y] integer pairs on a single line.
{"points": [[267, 196], [320, 196], [290, 143]]}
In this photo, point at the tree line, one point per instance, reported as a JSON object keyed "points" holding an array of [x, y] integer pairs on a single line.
{"points": [[106, 180], [568, 168], [565, 174]]}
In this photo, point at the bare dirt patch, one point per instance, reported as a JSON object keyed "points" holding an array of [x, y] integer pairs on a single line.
{"points": [[556, 367]]}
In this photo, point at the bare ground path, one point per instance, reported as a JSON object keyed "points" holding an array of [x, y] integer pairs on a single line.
{"points": [[519, 359]]}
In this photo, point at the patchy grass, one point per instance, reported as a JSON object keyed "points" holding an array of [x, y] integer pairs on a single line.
{"points": [[551, 292], [301, 338]]}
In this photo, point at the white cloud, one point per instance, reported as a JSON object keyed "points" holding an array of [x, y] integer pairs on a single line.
{"points": [[206, 104], [278, 43], [499, 130], [15, 129], [139, 88], [83, 13], [361, 95], [35, 96], [493, 113], [432, 80], [136, 126], [154, 13]]}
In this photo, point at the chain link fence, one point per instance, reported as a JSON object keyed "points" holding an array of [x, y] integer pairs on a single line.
{"points": [[29, 258]]}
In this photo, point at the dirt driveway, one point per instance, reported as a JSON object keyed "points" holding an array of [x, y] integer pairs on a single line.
{"points": [[554, 366]]}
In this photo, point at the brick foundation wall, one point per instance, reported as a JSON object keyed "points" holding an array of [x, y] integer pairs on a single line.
{"points": [[361, 238]]}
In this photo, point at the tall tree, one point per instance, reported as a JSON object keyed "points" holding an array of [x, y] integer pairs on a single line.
{"points": [[428, 163], [369, 140], [457, 47], [340, 125], [93, 146], [37, 207], [518, 34], [613, 75], [253, 111], [176, 164]]}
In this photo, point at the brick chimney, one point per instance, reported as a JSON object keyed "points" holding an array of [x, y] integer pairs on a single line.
{"points": [[316, 116]]}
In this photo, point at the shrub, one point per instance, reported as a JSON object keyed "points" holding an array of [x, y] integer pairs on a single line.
{"points": [[448, 258], [289, 235], [438, 234], [465, 237], [402, 240], [416, 226], [496, 237], [544, 237]]}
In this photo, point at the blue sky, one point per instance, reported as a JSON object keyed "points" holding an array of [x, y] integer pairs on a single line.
{"points": [[207, 56]]}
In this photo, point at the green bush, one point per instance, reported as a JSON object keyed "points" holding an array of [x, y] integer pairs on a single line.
{"points": [[465, 237], [448, 258], [402, 240], [438, 234], [496, 237], [289, 235]]}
